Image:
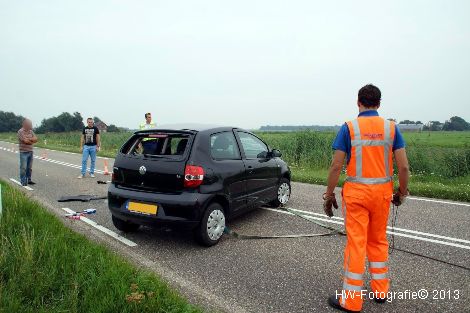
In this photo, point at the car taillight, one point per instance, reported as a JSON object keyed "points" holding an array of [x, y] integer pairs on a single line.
{"points": [[193, 176], [114, 175]]}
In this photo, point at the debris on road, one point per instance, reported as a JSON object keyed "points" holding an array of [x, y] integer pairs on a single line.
{"points": [[77, 215], [82, 198]]}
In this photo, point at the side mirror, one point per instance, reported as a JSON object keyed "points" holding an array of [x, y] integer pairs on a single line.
{"points": [[263, 155], [275, 153]]}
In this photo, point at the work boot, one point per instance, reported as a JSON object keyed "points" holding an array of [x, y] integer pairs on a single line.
{"points": [[334, 302], [31, 182]]}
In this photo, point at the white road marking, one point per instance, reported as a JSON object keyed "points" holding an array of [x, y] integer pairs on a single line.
{"points": [[76, 166], [103, 229], [18, 183], [439, 201], [388, 232], [389, 227]]}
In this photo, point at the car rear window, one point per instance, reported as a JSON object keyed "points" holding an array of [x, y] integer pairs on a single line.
{"points": [[158, 144]]}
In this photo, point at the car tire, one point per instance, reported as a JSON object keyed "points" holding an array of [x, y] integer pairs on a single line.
{"points": [[124, 226], [283, 193], [212, 225]]}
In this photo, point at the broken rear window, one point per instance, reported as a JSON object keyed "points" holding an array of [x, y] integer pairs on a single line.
{"points": [[158, 145]]}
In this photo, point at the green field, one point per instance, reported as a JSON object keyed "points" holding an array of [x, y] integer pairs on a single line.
{"points": [[46, 267], [439, 161]]}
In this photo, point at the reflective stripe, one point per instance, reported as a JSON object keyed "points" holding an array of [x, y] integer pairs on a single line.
{"points": [[379, 276], [357, 136], [377, 264], [357, 143], [369, 181], [347, 286], [387, 146], [357, 132], [352, 275]]}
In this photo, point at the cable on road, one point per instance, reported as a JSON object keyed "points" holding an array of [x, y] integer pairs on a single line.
{"points": [[336, 231]]}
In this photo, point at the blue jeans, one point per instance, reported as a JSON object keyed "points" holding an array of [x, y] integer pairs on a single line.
{"points": [[88, 151], [26, 166]]}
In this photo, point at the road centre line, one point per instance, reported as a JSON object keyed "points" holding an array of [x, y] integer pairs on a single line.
{"points": [[389, 227], [388, 232], [103, 229], [438, 201]]}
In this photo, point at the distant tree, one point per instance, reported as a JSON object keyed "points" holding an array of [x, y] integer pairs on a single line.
{"points": [[419, 122], [433, 126], [456, 123], [96, 119], [407, 122], [113, 129], [10, 122], [392, 119], [64, 122]]}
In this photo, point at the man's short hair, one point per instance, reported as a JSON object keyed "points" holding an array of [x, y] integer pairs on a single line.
{"points": [[369, 96], [147, 114], [90, 118]]}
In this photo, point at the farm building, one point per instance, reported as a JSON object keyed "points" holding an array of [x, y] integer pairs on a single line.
{"points": [[101, 126], [410, 127]]}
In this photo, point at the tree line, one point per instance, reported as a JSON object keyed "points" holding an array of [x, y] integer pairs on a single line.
{"points": [[64, 122], [455, 123]]}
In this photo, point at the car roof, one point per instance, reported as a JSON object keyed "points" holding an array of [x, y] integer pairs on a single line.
{"points": [[192, 127]]}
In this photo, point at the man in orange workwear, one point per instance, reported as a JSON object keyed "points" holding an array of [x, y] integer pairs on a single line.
{"points": [[368, 143]]}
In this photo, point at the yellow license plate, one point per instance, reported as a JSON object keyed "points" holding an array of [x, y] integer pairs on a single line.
{"points": [[144, 208]]}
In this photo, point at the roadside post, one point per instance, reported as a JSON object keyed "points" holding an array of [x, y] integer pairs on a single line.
{"points": [[1, 209]]}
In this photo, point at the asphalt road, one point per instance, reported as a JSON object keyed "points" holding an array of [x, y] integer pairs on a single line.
{"points": [[281, 275]]}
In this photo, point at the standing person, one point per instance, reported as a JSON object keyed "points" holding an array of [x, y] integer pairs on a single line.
{"points": [[90, 143], [148, 144], [368, 143], [26, 139]]}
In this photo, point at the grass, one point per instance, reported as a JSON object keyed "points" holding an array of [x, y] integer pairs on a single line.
{"points": [[46, 267], [439, 161]]}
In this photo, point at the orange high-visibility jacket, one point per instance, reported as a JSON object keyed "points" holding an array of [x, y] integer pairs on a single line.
{"points": [[371, 150]]}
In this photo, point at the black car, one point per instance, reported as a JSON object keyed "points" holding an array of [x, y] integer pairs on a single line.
{"points": [[197, 177]]}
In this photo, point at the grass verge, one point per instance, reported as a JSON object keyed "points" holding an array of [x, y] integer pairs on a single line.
{"points": [[46, 267], [430, 186]]}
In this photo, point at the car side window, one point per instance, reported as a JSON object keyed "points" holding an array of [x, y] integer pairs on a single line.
{"points": [[224, 146], [252, 145]]}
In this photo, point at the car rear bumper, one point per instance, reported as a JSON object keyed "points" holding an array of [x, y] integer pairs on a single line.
{"points": [[183, 209]]}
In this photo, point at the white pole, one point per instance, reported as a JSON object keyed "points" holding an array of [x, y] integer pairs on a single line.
{"points": [[0, 200]]}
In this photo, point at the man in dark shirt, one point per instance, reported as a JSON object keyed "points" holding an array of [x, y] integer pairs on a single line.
{"points": [[89, 145], [26, 139]]}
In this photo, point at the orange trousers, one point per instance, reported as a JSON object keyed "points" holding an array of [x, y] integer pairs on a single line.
{"points": [[365, 210]]}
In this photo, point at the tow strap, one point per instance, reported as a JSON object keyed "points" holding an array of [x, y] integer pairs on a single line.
{"points": [[332, 230]]}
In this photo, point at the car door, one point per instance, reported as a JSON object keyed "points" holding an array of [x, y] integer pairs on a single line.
{"points": [[261, 172], [229, 168]]}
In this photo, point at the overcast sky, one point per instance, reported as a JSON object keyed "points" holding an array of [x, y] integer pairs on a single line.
{"points": [[243, 63]]}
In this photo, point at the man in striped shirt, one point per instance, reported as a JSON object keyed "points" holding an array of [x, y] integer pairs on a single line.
{"points": [[26, 139]]}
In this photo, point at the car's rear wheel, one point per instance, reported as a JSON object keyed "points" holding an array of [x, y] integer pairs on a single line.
{"points": [[212, 225], [283, 193], [124, 225]]}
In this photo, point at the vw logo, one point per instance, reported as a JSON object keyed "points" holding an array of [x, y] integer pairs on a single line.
{"points": [[142, 170]]}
